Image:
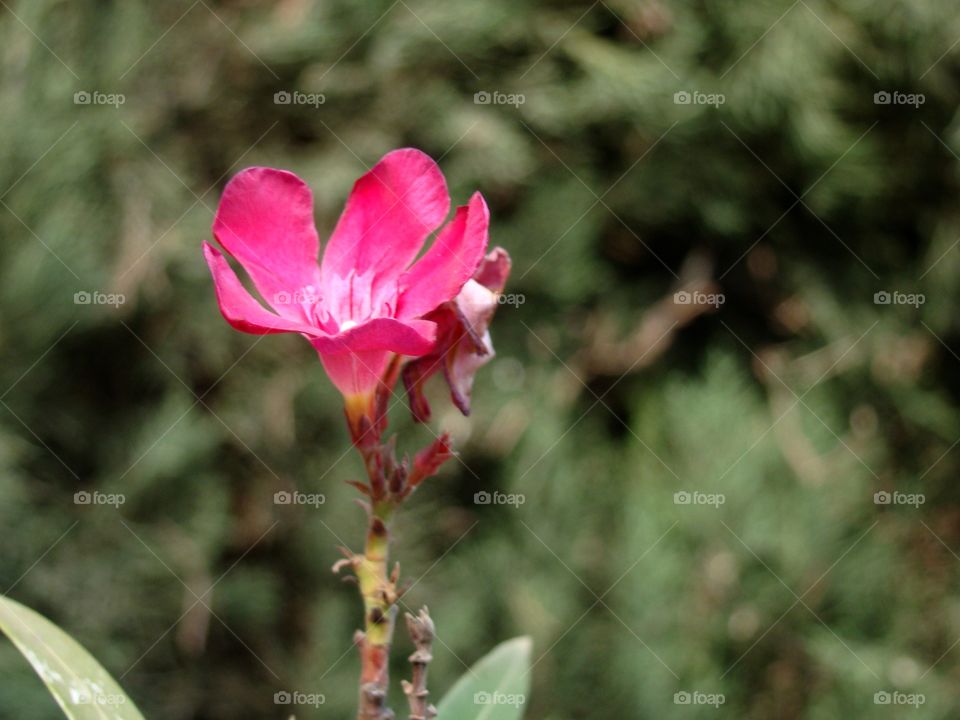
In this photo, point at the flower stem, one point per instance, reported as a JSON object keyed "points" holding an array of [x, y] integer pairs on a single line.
{"points": [[379, 605], [390, 483]]}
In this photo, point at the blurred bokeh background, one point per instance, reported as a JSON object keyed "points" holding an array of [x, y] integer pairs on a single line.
{"points": [[630, 150]]}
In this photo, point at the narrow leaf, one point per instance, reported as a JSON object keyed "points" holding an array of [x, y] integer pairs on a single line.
{"points": [[79, 684], [495, 688]]}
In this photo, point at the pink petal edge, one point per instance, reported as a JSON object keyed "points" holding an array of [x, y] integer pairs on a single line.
{"points": [[390, 212], [452, 260], [265, 221], [238, 306], [411, 337]]}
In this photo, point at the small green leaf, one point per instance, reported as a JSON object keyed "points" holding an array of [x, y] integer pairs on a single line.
{"points": [[79, 684], [495, 688]]}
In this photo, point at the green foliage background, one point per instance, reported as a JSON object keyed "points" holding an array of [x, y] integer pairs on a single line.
{"points": [[798, 198]]}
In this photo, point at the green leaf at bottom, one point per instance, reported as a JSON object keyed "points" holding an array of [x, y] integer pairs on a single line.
{"points": [[79, 684], [495, 688]]}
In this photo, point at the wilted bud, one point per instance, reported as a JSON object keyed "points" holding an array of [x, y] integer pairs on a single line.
{"points": [[463, 343], [429, 460]]}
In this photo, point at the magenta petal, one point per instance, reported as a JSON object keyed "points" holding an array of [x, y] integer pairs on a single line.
{"points": [[462, 366], [415, 375], [412, 337], [239, 308], [494, 270], [355, 373], [357, 359], [391, 211], [463, 340], [448, 264], [265, 221]]}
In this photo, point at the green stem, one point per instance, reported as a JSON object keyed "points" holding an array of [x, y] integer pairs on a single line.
{"points": [[379, 605]]}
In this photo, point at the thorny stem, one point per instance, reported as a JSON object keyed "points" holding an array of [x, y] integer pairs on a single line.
{"points": [[379, 609], [389, 483], [421, 632]]}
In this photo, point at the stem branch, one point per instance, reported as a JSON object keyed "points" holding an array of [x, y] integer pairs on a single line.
{"points": [[421, 632]]}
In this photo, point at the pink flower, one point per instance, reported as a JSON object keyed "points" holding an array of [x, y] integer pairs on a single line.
{"points": [[365, 302], [463, 343]]}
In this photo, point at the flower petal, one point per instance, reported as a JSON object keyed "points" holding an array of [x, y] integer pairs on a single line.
{"points": [[412, 337], [391, 211], [238, 307], [462, 366], [265, 221], [494, 270], [357, 359], [448, 264], [463, 341], [355, 373]]}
